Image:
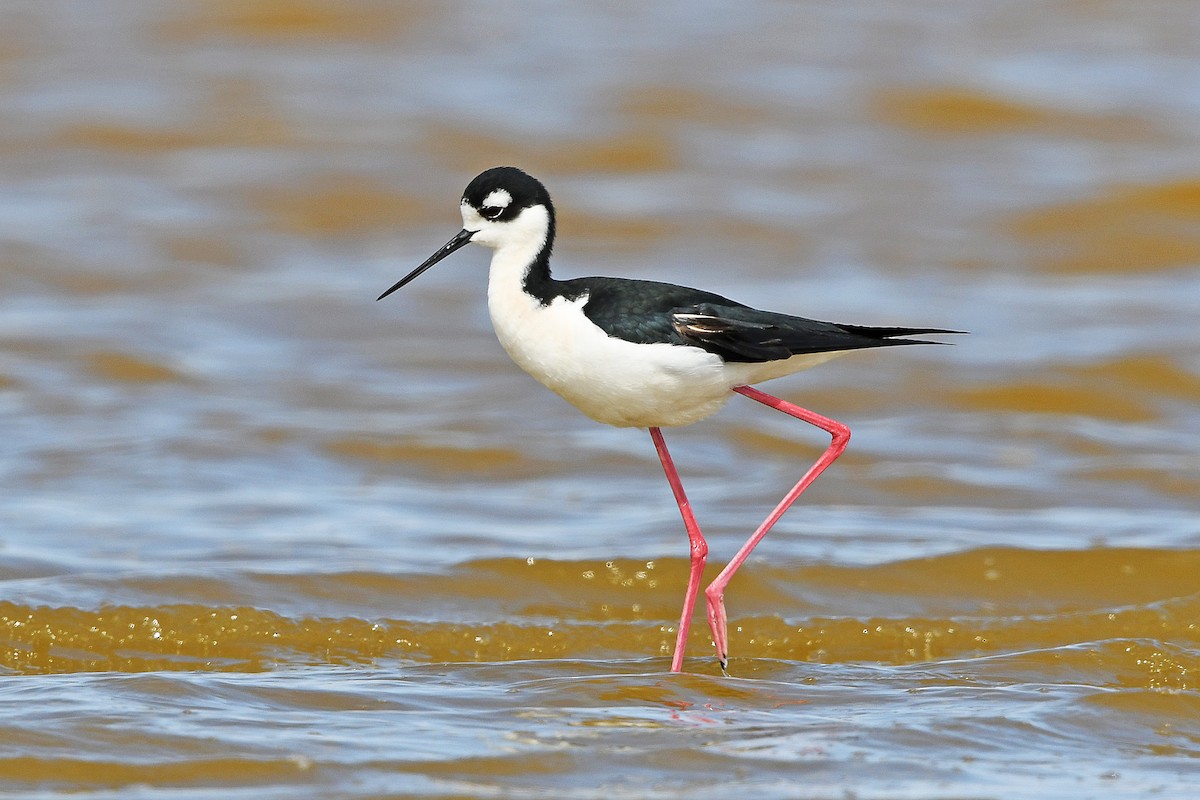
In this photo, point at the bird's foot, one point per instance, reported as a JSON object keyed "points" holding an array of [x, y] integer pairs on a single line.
{"points": [[714, 599]]}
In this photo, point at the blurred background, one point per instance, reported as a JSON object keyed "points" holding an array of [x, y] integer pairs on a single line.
{"points": [[223, 457]]}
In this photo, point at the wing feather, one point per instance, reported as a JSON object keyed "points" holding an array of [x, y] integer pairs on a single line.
{"points": [[738, 333]]}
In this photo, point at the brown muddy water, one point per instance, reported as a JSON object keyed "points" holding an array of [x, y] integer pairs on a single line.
{"points": [[261, 536]]}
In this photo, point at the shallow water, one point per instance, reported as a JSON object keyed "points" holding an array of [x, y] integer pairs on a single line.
{"points": [[262, 536]]}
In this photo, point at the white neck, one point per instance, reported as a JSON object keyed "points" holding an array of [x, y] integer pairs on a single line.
{"points": [[515, 245]]}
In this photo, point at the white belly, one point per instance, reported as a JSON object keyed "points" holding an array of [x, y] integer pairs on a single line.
{"points": [[614, 381]]}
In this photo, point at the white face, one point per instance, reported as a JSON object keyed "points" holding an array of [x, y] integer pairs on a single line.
{"points": [[500, 198], [526, 230]]}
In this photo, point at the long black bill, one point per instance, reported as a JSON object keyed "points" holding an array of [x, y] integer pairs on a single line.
{"points": [[460, 238]]}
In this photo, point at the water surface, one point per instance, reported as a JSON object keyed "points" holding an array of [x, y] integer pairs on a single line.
{"points": [[261, 536]]}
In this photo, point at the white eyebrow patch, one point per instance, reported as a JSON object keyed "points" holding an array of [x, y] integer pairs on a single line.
{"points": [[499, 198]]}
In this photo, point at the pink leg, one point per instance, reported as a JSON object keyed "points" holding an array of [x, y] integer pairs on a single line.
{"points": [[699, 547], [714, 595]]}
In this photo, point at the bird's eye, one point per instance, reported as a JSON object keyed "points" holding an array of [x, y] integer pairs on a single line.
{"points": [[491, 212]]}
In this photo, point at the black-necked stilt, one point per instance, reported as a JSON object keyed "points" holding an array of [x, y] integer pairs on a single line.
{"points": [[643, 354]]}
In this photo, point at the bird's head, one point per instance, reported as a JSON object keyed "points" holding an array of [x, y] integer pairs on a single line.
{"points": [[502, 208]]}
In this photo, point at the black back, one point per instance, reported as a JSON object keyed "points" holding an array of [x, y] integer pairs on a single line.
{"points": [[647, 312]]}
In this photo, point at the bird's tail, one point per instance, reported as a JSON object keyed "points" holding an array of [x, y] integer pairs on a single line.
{"points": [[882, 334]]}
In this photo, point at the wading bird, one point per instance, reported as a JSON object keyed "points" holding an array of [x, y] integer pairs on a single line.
{"points": [[635, 353]]}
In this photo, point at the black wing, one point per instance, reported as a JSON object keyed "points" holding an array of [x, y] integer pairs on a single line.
{"points": [[738, 333], [638, 311], [647, 312]]}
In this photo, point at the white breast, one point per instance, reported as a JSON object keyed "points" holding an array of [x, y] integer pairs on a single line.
{"points": [[609, 379]]}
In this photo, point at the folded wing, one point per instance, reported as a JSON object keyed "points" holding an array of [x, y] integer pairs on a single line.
{"points": [[738, 333]]}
